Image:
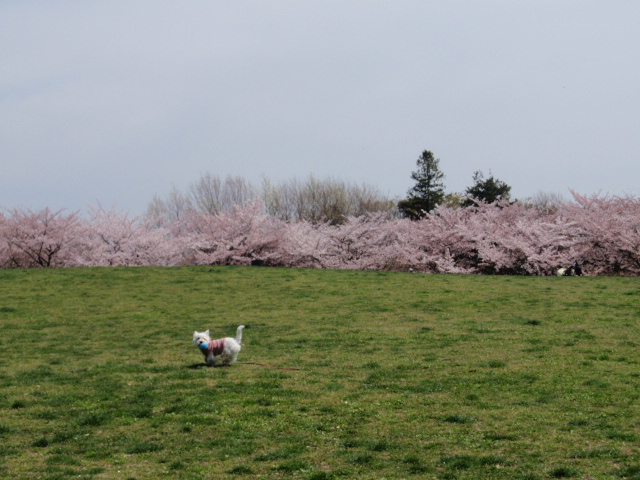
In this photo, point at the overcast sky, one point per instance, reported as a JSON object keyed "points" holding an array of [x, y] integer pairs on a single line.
{"points": [[115, 101]]}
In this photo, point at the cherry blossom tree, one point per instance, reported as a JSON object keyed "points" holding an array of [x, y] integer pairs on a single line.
{"points": [[496, 238], [609, 238], [42, 238], [5, 256], [115, 239], [600, 232], [232, 238], [514, 239], [303, 244], [367, 242], [441, 242]]}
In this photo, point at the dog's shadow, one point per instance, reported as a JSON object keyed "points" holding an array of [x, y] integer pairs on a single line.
{"points": [[196, 366]]}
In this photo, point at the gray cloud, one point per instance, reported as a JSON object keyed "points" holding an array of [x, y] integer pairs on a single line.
{"points": [[115, 101]]}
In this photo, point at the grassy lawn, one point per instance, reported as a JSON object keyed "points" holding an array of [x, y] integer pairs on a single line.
{"points": [[400, 375]]}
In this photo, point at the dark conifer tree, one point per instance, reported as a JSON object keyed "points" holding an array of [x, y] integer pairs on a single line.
{"points": [[428, 192], [487, 190]]}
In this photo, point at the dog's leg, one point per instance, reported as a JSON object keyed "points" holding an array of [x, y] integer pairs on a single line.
{"points": [[212, 361]]}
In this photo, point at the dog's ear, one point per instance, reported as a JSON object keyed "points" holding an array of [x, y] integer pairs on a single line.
{"points": [[207, 333], [195, 333]]}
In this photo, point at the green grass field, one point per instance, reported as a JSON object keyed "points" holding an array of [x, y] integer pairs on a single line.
{"points": [[400, 375]]}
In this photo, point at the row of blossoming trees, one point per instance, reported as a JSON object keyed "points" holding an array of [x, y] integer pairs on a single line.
{"points": [[600, 232]]}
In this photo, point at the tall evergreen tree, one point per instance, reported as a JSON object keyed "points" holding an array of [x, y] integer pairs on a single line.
{"points": [[428, 192]]}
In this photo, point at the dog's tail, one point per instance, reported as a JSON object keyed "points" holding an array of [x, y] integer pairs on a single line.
{"points": [[239, 334]]}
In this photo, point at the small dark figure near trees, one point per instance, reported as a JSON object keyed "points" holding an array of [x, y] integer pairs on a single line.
{"points": [[577, 268]]}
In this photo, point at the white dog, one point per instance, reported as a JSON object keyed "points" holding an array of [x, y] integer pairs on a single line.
{"points": [[223, 350]]}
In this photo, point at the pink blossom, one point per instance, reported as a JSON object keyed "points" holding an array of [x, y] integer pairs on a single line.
{"points": [[115, 239], [39, 239], [602, 233], [235, 237]]}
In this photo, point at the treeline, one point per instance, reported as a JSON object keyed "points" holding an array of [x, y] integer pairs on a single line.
{"points": [[601, 233], [313, 199], [327, 200]]}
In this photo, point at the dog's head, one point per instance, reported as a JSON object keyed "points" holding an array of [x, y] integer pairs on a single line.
{"points": [[201, 337]]}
